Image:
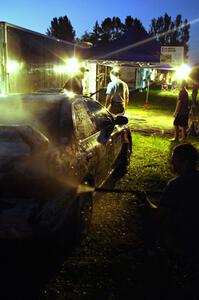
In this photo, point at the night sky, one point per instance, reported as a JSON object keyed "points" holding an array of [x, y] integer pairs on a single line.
{"points": [[36, 15]]}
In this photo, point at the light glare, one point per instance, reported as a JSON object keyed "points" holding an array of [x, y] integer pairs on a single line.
{"points": [[13, 66], [72, 66], [70, 94], [59, 69], [183, 71]]}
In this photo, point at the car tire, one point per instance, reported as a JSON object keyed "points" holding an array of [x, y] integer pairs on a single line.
{"points": [[76, 226], [124, 161]]}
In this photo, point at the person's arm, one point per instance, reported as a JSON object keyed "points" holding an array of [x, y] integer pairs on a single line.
{"points": [[151, 204], [160, 211], [109, 93], [143, 196], [108, 100], [126, 98], [178, 105], [167, 198], [177, 109]]}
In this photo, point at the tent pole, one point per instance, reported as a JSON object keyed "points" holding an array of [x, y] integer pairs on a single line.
{"points": [[147, 93]]}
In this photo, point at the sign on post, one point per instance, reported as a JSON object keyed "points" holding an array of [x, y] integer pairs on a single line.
{"points": [[172, 55]]}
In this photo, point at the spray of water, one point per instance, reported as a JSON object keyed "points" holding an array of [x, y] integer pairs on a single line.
{"points": [[35, 114], [84, 188]]}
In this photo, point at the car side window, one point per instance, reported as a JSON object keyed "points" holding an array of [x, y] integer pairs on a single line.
{"points": [[102, 116], [66, 123], [83, 121]]}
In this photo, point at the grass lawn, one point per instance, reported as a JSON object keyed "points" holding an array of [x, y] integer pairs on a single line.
{"points": [[157, 99], [159, 116], [150, 167], [111, 262]]}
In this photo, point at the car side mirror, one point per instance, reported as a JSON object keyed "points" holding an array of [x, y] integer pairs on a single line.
{"points": [[120, 120]]}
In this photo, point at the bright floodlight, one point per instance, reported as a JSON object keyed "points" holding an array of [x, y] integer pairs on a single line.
{"points": [[70, 94], [183, 71], [13, 66], [116, 69], [72, 66]]}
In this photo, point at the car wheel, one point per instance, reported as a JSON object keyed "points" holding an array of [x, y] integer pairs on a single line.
{"points": [[76, 226], [124, 161], [83, 216]]}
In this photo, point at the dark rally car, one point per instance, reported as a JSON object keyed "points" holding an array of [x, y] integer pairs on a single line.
{"points": [[49, 144]]}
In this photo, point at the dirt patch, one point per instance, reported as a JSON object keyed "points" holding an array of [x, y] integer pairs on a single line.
{"points": [[142, 125]]}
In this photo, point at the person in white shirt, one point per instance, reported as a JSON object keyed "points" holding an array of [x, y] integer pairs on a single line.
{"points": [[117, 94]]}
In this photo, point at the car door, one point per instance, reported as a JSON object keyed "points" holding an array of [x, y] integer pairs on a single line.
{"points": [[109, 134], [86, 134]]}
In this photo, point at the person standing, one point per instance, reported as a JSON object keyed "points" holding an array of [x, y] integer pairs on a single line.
{"points": [[117, 94], [76, 83], [181, 114]]}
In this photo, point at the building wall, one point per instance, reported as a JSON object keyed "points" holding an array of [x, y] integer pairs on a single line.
{"points": [[128, 74]]}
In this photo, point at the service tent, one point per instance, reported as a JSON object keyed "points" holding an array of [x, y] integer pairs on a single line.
{"points": [[134, 48]]}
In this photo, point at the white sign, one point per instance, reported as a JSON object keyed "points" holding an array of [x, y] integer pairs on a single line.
{"points": [[172, 55]]}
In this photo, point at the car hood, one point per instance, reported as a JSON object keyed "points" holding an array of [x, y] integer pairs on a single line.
{"points": [[27, 158], [30, 183]]}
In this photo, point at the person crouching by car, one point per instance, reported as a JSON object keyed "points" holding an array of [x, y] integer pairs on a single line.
{"points": [[117, 94], [173, 219]]}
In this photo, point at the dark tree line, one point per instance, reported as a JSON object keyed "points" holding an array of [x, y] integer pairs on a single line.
{"points": [[61, 28], [171, 32], [109, 30], [167, 31]]}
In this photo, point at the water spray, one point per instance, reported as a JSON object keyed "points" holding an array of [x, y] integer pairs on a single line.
{"points": [[85, 188]]}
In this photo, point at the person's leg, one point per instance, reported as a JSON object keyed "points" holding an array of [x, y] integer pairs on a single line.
{"points": [[176, 132], [176, 129], [184, 133], [193, 100]]}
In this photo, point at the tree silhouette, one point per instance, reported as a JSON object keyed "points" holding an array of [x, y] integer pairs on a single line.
{"points": [[61, 28], [109, 30], [171, 33], [130, 22], [93, 37], [106, 30]]}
